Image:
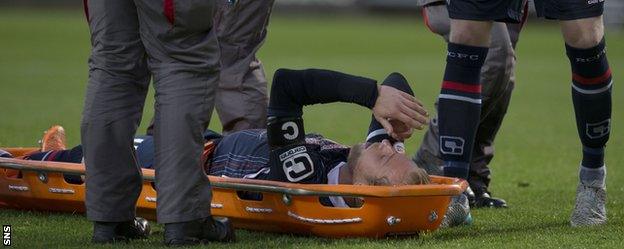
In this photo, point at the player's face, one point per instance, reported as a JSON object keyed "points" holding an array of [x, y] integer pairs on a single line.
{"points": [[381, 165]]}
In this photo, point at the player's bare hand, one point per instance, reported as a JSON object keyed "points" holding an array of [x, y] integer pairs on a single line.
{"points": [[393, 104]]}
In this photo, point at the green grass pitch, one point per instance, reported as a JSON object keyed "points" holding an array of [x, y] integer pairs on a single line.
{"points": [[43, 74]]}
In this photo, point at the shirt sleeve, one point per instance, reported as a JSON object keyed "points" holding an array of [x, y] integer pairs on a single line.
{"points": [[293, 89]]}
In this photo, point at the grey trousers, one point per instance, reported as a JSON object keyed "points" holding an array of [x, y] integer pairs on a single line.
{"points": [[241, 99], [133, 41], [497, 77]]}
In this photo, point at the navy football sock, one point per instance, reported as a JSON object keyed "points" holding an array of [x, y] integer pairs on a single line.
{"points": [[70, 156], [459, 107], [591, 95]]}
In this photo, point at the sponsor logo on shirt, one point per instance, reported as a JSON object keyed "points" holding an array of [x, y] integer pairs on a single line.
{"points": [[291, 152], [297, 164]]}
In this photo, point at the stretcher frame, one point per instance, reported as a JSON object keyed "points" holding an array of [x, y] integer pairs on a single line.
{"points": [[284, 208]]}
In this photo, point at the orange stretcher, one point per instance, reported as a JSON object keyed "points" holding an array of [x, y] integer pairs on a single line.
{"points": [[284, 207]]}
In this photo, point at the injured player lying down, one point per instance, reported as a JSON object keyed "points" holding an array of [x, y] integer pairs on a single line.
{"points": [[283, 152]]}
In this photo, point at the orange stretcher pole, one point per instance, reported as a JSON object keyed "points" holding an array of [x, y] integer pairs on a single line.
{"points": [[284, 207]]}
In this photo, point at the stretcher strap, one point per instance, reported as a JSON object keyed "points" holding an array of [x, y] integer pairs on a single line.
{"points": [[325, 221]]}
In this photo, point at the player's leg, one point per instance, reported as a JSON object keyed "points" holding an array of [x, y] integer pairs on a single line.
{"points": [[583, 32], [118, 82], [241, 98], [591, 95], [459, 103], [497, 86], [73, 155], [428, 156], [184, 59]]}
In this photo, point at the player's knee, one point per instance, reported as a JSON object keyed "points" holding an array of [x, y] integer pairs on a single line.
{"points": [[584, 40], [466, 37], [583, 33], [472, 33]]}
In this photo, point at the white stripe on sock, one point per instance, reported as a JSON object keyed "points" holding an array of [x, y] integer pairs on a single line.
{"points": [[46, 156], [460, 98], [593, 91]]}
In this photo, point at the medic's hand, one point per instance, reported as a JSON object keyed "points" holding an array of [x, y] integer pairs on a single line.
{"points": [[395, 105]]}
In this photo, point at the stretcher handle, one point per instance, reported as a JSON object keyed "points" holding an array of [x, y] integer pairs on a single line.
{"points": [[441, 186], [18, 164]]}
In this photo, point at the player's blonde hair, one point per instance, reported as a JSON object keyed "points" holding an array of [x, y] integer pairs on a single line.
{"points": [[415, 175]]}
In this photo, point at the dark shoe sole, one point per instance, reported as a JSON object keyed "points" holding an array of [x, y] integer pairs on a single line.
{"points": [[212, 230]]}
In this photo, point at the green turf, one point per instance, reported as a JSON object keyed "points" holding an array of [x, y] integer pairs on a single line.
{"points": [[43, 74]]}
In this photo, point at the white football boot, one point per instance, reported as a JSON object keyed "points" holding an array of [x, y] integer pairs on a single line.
{"points": [[458, 212], [591, 197], [589, 209]]}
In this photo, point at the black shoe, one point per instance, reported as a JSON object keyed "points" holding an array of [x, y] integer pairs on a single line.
{"points": [[113, 232], [484, 200], [199, 231]]}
